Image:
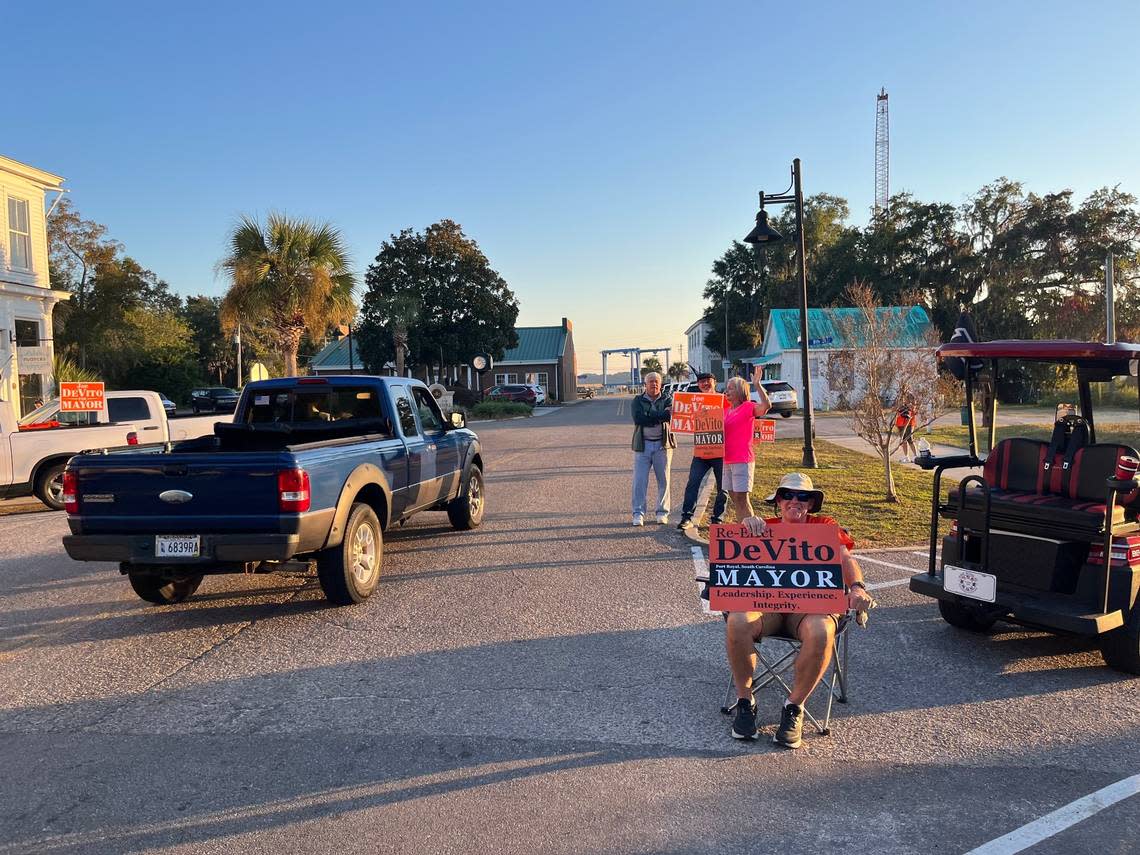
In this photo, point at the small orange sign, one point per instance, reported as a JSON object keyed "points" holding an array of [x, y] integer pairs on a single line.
{"points": [[702, 415], [764, 430], [81, 397], [791, 568]]}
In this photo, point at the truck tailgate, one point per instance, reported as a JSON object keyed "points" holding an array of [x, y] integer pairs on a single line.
{"points": [[180, 493]]}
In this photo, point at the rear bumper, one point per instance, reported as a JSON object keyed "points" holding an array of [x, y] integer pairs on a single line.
{"points": [[1056, 612], [139, 548]]}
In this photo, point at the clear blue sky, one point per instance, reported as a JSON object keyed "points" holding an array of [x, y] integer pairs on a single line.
{"points": [[603, 155]]}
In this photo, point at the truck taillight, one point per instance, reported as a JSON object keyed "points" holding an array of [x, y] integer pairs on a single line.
{"points": [[132, 438], [71, 492], [293, 490]]}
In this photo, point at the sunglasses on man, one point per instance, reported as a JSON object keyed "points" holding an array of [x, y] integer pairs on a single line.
{"points": [[798, 495]]}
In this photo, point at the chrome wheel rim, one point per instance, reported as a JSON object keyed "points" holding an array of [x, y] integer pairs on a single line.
{"points": [[475, 496], [55, 488], [364, 552]]}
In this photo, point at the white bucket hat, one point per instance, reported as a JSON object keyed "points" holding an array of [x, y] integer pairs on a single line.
{"points": [[798, 481]]}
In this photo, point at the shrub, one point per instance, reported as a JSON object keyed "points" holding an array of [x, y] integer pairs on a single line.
{"points": [[500, 410], [464, 397]]}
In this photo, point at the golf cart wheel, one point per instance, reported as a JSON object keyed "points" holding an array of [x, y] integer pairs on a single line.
{"points": [[163, 591], [1121, 647], [970, 618]]}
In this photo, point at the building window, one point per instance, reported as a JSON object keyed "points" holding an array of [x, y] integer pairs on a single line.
{"points": [[19, 235], [27, 333], [31, 392], [841, 371], [504, 379], [813, 366]]}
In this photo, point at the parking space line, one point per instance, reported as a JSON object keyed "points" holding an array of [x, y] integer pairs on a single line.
{"points": [[1034, 832], [862, 558], [874, 586]]}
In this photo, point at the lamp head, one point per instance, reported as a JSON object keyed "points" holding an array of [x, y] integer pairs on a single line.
{"points": [[762, 233]]}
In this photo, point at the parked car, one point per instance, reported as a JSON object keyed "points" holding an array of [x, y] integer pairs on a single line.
{"points": [[33, 452], [513, 392], [782, 395], [585, 392], [168, 405], [215, 399], [311, 474], [539, 393]]}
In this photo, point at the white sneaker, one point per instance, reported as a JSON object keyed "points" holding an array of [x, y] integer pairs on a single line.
{"points": [[637, 520], [905, 460], [663, 519]]}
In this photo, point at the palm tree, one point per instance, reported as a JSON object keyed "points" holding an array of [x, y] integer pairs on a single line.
{"points": [[291, 274], [679, 371]]}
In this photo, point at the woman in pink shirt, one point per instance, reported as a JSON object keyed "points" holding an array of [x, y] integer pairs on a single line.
{"points": [[739, 412]]}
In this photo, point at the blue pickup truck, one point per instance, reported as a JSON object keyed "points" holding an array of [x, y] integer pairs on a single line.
{"points": [[307, 478]]}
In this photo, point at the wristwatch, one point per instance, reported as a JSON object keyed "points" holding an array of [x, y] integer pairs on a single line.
{"points": [[858, 585]]}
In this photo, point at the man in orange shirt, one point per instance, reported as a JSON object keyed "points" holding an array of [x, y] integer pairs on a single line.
{"points": [[797, 501]]}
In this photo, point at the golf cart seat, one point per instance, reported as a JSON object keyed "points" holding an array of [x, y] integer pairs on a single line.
{"points": [[1050, 489]]}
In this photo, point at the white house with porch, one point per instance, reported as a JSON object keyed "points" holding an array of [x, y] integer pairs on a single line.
{"points": [[26, 296], [829, 341]]}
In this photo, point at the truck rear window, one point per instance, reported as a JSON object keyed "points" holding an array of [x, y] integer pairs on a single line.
{"points": [[310, 406]]}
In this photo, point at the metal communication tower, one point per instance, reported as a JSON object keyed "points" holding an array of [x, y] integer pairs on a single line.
{"points": [[882, 153]]}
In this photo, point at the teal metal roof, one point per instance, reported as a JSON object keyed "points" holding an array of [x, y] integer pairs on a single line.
{"points": [[537, 344], [831, 329], [335, 355]]}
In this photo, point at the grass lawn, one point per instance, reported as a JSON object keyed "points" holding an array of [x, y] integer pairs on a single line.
{"points": [[853, 492], [956, 435]]}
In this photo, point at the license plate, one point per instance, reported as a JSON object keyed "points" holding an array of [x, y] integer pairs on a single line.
{"points": [[969, 583], [177, 545], [779, 397]]}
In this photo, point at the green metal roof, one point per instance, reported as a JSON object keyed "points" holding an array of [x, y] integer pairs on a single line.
{"points": [[335, 355], [537, 344], [830, 329]]}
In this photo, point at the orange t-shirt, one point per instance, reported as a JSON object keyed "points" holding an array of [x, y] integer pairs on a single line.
{"points": [[845, 537]]}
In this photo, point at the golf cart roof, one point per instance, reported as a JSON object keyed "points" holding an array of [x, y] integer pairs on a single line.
{"points": [[1044, 351]]}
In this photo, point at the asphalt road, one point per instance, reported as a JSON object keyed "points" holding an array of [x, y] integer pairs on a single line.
{"points": [[546, 683]]}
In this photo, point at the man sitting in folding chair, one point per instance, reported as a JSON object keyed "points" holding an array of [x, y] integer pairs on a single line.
{"points": [[796, 500]]}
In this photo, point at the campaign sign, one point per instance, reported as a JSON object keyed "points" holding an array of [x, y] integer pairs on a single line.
{"points": [[790, 568], [702, 415], [81, 397], [764, 430]]}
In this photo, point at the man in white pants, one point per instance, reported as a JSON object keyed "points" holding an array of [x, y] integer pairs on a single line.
{"points": [[653, 446]]}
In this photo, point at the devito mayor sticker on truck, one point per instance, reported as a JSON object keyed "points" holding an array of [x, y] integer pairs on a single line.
{"points": [[790, 568]]}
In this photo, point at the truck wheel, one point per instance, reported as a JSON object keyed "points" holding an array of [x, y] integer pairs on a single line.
{"points": [[966, 617], [49, 486], [1121, 647], [786, 415], [466, 510], [163, 591], [348, 573]]}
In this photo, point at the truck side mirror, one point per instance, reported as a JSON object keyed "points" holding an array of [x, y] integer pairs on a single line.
{"points": [[458, 420]]}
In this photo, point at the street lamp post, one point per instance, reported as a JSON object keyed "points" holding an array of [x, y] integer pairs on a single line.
{"points": [[763, 234]]}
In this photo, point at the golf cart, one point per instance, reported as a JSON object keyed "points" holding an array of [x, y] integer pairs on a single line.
{"points": [[1048, 536]]}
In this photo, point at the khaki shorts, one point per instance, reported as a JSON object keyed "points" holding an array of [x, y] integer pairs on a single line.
{"points": [[738, 477]]}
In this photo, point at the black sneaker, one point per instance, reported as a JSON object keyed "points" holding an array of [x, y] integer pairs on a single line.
{"points": [[791, 727], [685, 522], [744, 724], [716, 521]]}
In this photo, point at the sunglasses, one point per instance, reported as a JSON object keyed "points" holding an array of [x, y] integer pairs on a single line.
{"points": [[798, 495]]}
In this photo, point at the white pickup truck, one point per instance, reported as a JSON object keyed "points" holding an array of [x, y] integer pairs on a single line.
{"points": [[34, 451]]}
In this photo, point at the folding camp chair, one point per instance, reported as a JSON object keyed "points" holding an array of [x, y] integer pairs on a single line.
{"points": [[772, 664]]}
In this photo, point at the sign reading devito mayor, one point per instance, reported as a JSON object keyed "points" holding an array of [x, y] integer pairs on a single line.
{"points": [[790, 568]]}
